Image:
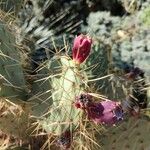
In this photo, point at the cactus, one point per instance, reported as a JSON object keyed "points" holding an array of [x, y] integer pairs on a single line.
{"points": [[9, 142], [104, 28], [14, 113], [133, 42], [14, 120], [65, 87], [128, 135], [57, 80], [97, 66], [65, 81], [11, 73], [41, 21]]}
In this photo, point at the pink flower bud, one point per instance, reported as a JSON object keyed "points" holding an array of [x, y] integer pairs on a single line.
{"points": [[81, 48]]}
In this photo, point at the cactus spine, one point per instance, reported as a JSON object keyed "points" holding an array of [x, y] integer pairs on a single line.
{"points": [[11, 72], [65, 87], [13, 6], [131, 135]]}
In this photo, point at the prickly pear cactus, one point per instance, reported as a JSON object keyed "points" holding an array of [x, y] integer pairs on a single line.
{"points": [[40, 25], [14, 119], [131, 135], [62, 114], [100, 59], [41, 93], [8, 142], [11, 73], [98, 62], [56, 81]]}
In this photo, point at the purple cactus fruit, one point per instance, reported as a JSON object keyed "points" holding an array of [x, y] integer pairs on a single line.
{"points": [[94, 111], [106, 112], [64, 141]]}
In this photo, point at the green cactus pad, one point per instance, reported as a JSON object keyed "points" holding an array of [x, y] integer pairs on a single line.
{"points": [[98, 60], [12, 82], [130, 135], [97, 67], [14, 119], [41, 92], [62, 114]]}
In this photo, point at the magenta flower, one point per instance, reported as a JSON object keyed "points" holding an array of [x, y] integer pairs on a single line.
{"points": [[81, 48]]}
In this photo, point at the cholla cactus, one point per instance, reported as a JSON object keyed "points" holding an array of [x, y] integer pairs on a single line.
{"points": [[41, 21]]}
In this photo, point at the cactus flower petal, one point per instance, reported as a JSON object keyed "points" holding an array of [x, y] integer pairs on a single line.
{"points": [[81, 48]]}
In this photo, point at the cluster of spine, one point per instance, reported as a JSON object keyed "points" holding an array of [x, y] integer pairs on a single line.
{"points": [[127, 36], [59, 100], [129, 135], [58, 89], [45, 21]]}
